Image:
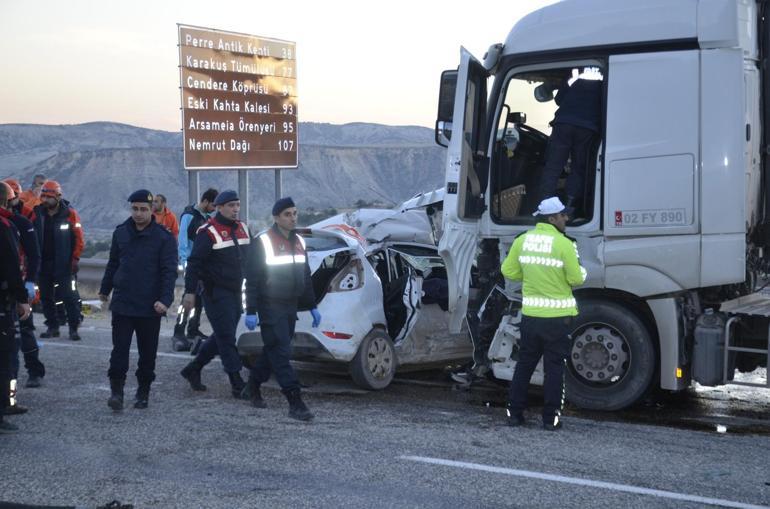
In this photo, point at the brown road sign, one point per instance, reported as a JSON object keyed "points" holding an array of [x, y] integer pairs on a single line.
{"points": [[239, 100]]}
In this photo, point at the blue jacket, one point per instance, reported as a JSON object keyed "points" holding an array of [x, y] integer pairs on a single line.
{"points": [[68, 240], [580, 104], [190, 220], [141, 269]]}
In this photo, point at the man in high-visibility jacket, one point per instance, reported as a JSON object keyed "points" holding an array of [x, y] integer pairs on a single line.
{"points": [[547, 263]]}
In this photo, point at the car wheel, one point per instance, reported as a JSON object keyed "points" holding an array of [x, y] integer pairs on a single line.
{"points": [[374, 365], [612, 360]]}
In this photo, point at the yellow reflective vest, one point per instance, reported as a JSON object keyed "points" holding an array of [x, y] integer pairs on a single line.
{"points": [[547, 262]]}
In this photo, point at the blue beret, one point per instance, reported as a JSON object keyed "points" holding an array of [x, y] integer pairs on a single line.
{"points": [[226, 196], [140, 196], [282, 204]]}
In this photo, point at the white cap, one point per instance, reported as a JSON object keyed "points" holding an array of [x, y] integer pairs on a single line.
{"points": [[552, 205]]}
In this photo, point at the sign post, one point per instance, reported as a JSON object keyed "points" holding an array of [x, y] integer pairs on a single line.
{"points": [[239, 103]]}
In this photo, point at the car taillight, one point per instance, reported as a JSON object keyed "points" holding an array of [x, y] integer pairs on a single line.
{"points": [[351, 277], [336, 335]]}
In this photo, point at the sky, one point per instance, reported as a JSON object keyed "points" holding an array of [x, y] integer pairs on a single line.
{"points": [[68, 62]]}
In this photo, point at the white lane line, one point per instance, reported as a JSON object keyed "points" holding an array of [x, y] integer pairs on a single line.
{"points": [[584, 482]]}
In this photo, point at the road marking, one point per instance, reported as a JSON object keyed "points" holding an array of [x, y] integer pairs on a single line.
{"points": [[584, 482]]}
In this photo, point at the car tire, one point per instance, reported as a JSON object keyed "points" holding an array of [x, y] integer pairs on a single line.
{"points": [[374, 365], [612, 360]]}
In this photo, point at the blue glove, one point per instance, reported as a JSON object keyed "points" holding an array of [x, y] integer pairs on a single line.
{"points": [[251, 322], [316, 317], [30, 286]]}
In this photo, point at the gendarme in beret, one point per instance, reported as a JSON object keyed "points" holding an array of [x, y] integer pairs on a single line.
{"points": [[140, 196], [225, 197], [282, 204]]}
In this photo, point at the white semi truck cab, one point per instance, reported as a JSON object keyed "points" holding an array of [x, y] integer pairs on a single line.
{"points": [[672, 222]]}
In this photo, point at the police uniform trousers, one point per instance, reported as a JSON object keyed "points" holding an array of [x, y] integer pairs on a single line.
{"points": [[54, 294], [547, 338], [7, 347], [27, 344], [567, 142], [277, 330], [223, 308], [147, 329]]}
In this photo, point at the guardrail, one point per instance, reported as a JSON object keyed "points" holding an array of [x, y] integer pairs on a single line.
{"points": [[92, 270]]}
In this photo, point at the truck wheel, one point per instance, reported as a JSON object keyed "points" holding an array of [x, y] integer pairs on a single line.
{"points": [[612, 360], [374, 365]]}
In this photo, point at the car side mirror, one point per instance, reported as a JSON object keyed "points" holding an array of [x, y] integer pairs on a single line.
{"points": [[446, 106]]}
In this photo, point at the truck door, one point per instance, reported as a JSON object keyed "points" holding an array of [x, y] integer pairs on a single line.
{"points": [[466, 180]]}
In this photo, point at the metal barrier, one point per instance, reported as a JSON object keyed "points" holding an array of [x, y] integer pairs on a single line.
{"points": [[92, 270]]}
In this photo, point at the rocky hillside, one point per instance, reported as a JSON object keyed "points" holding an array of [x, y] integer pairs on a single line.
{"points": [[98, 164]]}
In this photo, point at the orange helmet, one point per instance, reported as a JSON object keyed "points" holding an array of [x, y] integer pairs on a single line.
{"points": [[14, 185], [50, 189], [10, 194]]}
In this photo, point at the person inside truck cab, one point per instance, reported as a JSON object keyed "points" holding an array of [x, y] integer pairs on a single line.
{"points": [[575, 127]]}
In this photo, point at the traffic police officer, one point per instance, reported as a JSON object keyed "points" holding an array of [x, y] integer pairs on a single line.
{"points": [[280, 287], [219, 259], [546, 261], [141, 274]]}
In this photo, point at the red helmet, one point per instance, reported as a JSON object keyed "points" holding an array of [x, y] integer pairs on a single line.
{"points": [[14, 185], [51, 189]]}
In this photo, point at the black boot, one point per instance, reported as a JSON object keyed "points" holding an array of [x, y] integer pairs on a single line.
{"points": [[179, 343], [50, 332], [253, 394], [142, 395], [116, 398], [297, 408], [197, 346], [74, 336], [192, 372], [236, 384]]}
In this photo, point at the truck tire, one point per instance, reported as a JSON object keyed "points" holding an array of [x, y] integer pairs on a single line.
{"points": [[374, 365], [612, 360]]}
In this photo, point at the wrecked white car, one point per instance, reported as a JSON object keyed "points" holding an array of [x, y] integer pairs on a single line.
{"points": [[381, 288]]}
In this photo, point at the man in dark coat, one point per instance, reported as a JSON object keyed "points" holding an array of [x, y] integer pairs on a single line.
{"points": [[60, 237], [13, 300], [279, 286], [141, 275]]}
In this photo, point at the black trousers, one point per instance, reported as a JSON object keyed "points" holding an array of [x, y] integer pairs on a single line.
{"points": [[27, 344], [276, 353], [147, 330], [567, 142], [7, 347], [547, 338], [54, 294], [190, 318]]}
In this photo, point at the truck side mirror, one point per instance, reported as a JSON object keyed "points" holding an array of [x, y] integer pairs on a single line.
{"points": [[446, 105], [517, 118]]}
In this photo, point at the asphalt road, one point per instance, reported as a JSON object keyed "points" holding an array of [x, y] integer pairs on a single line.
{"points": [[416, 444]]}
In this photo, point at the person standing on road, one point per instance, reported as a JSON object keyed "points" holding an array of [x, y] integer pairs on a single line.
{"points": [[13, 301], [164, 216], [219, 260], [547, 263], [193, 217], [280, 287], [141, 274], [30, 256], [60, 237]]}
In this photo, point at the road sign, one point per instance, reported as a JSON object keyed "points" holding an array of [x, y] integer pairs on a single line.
{"points": [[239, 100]]}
